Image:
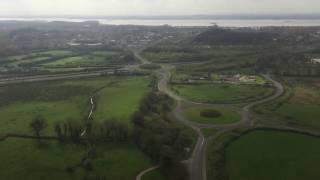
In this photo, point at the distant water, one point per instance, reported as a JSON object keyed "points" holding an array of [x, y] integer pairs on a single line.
{"points": [[187, 22]]}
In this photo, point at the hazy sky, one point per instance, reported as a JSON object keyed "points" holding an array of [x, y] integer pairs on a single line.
{"points": [[155, 7]]}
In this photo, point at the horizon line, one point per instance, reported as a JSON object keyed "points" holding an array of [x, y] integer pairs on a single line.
{"points": [[178, 16]]}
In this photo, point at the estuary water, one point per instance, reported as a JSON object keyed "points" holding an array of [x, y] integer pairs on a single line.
{"points": [[186, 22]]}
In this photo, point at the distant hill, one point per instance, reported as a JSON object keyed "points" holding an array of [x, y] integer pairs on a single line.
{"points": [[219, 36]]}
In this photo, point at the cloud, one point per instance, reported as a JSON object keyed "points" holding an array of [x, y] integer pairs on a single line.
{"points": [[155, 7]]}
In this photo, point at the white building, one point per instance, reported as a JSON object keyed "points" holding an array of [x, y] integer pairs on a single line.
{"points": [[315, 61]]}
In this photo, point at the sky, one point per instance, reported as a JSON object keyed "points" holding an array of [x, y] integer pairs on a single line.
{"points": [[156, 7]]}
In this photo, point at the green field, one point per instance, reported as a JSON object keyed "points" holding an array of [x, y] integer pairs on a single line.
{"points": [[303, 106], [266, 155], [62, 100], [228, 116], [55, 60], [53, 53], [299, 105], [209, 55], [58, 101], [304, 114], [120, 99], [29, 160], [106, 53], [222, 93], [17, 117], [78, 61], [55, 101], [166, 57], [207, 132], [153, 175], [94, 58]]}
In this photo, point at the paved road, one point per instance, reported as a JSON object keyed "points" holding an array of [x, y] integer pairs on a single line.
{"points": [[197, 161], [138, 56], [141, 174], [51, 77]]}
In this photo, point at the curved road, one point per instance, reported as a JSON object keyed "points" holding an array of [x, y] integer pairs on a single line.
{"points": [[197, 160]]}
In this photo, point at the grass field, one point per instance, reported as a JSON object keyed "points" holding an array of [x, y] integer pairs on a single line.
{"points": [[207, 132], [303, 107], [171, 57], [228, 116], [120, 99], [266, 155], [29, 160], [62, 100], [55, 101], [17, 117], [57, 59], [53, 53], [78, 61], [59, 101], [91, 59], [300, 105], [222, 93], [301, 113]]}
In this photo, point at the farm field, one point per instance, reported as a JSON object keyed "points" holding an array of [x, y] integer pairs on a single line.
{"points": [[222, 93], [49, 160], [274, 155], [227, 116]]}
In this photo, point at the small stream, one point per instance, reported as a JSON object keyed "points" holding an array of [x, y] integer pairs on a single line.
{"points": [[89, 116]]}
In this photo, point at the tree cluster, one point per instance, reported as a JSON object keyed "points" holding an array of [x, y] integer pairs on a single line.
{"points": [[287, 64], [93, 132], [165, 142], [210, 113]]}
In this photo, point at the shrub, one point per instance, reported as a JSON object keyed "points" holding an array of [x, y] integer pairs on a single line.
{"points": [[210, 113]]}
